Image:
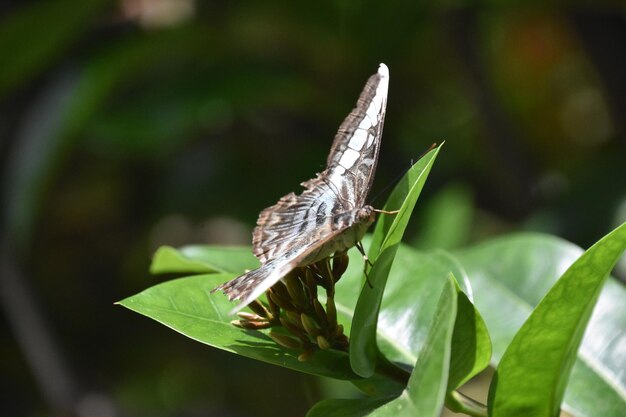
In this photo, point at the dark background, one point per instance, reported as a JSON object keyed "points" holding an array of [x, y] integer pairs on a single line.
{"points": [[126, 125]]}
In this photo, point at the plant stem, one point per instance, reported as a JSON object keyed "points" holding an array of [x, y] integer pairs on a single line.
{"points": [[461, 403]]}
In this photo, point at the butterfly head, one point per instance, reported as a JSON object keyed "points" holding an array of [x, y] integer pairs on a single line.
{"points": [[366, 214]]}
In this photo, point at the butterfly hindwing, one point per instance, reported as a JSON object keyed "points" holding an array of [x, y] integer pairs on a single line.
{"points": [[252, 284], [292, 220]]}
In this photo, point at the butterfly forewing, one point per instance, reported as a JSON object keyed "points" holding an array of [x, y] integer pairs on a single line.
{"points": [[330, 214], [354, 154]]}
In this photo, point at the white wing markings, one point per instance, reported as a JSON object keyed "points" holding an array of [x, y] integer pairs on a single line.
{"points": [[358, 139], [349, 157]]}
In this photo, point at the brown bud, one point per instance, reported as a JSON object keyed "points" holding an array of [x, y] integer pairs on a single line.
{"points": [[320, 314], [340, 264], [251, 325], [249, 316], [294, 318], [296, 291], [293, 329], [306, 355], [273, 307], [285, 341], [259, 308], [309, 325], [331, 313], [281, 301], [324, 269], [311, 283], [322, 342], [280, 289]]}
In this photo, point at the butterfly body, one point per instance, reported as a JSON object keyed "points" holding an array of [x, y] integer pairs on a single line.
{"points": [[330, 215], [348, 228]]}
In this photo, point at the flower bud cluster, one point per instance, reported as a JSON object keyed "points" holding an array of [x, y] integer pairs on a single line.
{"points": [[294, 313]]}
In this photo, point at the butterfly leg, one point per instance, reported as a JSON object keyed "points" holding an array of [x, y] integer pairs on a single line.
{"points": [[360, 248]]}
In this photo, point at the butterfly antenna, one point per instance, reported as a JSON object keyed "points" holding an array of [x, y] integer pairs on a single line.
{"points": [[400, 175], [387, 211], [391, 183]]}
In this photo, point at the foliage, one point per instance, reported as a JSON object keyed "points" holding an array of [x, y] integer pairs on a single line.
{"points": [[126, 125], [413, 344]]}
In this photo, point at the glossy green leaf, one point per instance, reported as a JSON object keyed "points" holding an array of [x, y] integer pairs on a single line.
{"points": [[390, 227], [471, 345], [533, 373], [446, 220], [363, 347], [456, 268], [425, 393], [510, 275], [202, 259], [186, 306], [417, 280], [426, 389], [409, 301], [385, 241], [346, 407]]}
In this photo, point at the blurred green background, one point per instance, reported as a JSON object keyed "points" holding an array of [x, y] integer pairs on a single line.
{"points": [[130, 124]]}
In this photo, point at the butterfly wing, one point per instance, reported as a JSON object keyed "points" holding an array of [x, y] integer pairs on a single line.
{"points": [[341, 187], [294, 229], [252, 284], [354, 154], [295, 220]]}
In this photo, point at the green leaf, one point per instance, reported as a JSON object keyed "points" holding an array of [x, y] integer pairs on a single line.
{"points": [[186, 306], [426, 390], [456, 268], [385, 242], [409, 301], [390, 227], [533, 373], [425, 393], [446, 220], [510, 275], [202, 259], [471, 345], [417, 281], [346, 408], [363, 347]]}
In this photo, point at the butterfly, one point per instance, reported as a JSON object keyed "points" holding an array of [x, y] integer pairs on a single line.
{"points": [[330, 215]]}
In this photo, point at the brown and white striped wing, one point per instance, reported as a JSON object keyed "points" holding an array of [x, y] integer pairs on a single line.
{"points": [[353, 157], [296, 220], [343, 186], [252, 284]]}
